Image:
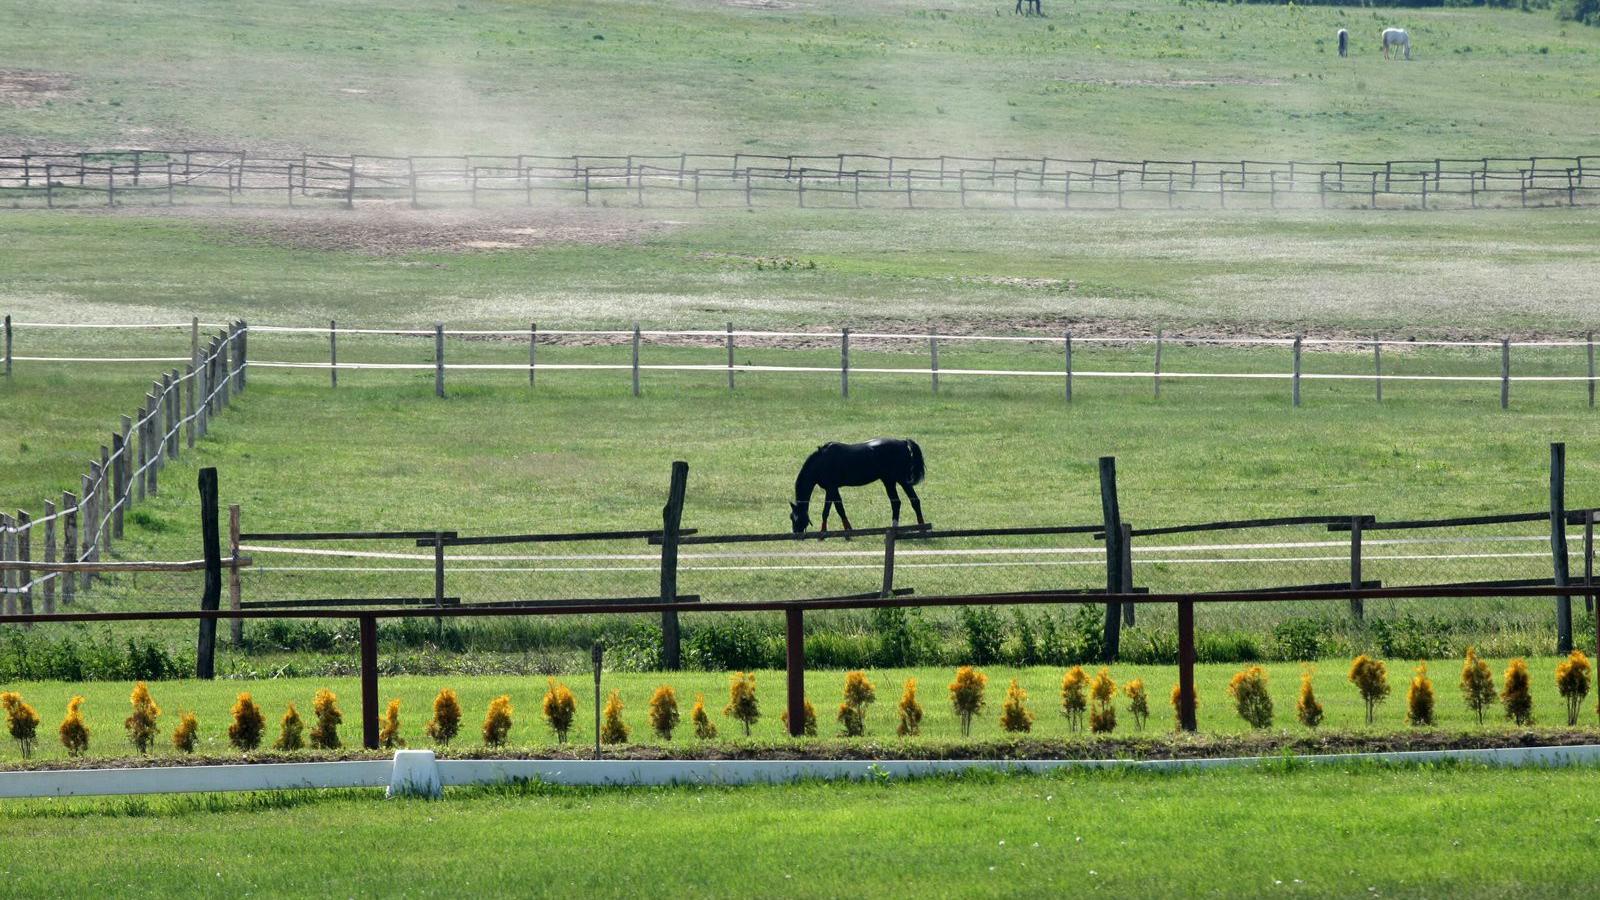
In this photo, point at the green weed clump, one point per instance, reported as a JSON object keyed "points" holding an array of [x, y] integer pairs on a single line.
{"points": [[141, 722], [704, 728], [74, 733], [446, 721], [808, 722], [1572, 680], [21, 720], [497, 722], [1251, 698], [291, 731], [325, 707], [389, 729], [1477, 684], [244, 733], [614, 730], [966, 696], [742, 703], [1419, 698], [1073, 699], [664, 712], [1103, 715], [1371, 678], [1517, 695], [1138, 702], [1308, 710], [910, 710], [559, 708], [1014, 714], [183, 737]]}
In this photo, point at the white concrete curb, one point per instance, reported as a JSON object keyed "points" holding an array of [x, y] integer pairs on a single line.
{"points": [[421, 773]]}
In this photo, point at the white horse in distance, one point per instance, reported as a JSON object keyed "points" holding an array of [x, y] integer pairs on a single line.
{"points": [[1396, 39]]}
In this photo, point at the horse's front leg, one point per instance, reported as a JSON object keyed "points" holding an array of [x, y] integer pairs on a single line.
{"points": [[827, 505], [838, 501], [894, 502], [916, 504]]}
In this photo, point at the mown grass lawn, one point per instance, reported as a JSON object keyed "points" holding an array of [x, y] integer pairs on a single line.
{"points": [[1287, 830]]}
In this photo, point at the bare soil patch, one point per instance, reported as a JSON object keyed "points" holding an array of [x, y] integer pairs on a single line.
{"points": [[23, 89]]}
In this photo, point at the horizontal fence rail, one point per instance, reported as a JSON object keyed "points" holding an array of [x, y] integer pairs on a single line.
{"points": [[195, 175]]}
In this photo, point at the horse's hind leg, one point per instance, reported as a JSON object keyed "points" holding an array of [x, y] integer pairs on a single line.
{"points": [[894, 501], [916, 504]]}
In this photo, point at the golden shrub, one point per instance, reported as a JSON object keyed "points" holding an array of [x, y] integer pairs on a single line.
{"points": [[966, 695], [1177, 701], [22, 721], [1138, 702], [1073, 699], [389, 730], [325, 707], [1477, 684], [559, 708], [1517, 695], [446, 721], [808, 721], [291, 731], [183, 737], [1572, 680], [851, 720], [1014, 714], [704, 728], [859, 693], [910, 710], [664, 712], [141, 722], [1102, 691], [1251, 697], [244, 733], [1371, 678], [74, 733], [497, 722], [1419, 698], [1308, 710], [614, 730], [742, 703]]}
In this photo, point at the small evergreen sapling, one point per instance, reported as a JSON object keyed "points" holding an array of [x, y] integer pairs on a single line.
{"points": [[910, 710], [141, 722], [1371, 678], [704, 728], [1138, 702], [1517, 694], [859, 693], [1419, 698], [244, 733], [1102, 691], [614, 730], [292, 731], [389, 730], [1014, 714], [74, 733], [183, 737], [1073, 699], [446, 721], [1250, 697], [664, 712], [497, 722], [22, 721], [325, 707], [808, 721], [850, 720], [1308, 710], [559, 708], [1572, 680], [742, 703], [1477, 684], [966, 695]]}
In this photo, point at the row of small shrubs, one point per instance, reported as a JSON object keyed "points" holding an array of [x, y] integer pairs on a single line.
{"points": [[1253, 701]]}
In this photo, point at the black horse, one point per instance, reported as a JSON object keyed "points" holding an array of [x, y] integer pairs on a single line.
{"points": [[1029, 7], [889, 460]]}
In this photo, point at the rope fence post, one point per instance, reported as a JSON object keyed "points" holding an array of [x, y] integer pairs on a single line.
{"points": [[9, 332], [69, 545], [333, 353], [438, 359], [533, 351], [1158, 363], [1590, 348], [1505, 373], [86, 533], [730, 356], [140, 482], [8, 600], [153, 460], [107, 509], [1067, 345], [50, 556], [1296, 380], [24, 550], [636, 359], [236, 626], [933, 356], [1377, 366], [844, 362], [119, 475]]}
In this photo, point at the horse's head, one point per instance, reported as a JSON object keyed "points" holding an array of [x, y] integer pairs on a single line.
{"points": [[799, 516]]}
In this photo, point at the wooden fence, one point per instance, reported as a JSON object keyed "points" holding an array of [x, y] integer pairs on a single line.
{"points": [[156, 176]]}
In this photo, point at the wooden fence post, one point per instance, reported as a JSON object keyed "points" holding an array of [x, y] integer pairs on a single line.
{"points": [[119, 476], [1588, 561], [1591, 369], [1505, 373], [8, 346], [169, 415], [888, 559], [636, 359], [108, 511], [24, 550], [795, 668], [1113, 537], [69, 545], [933, 356], [1067, 344], [1158, 363], [333, 353], [190, 376], [844, 363], [671, 519], [235, 589], [1558, 544], [438, 359], [1129, 618], [533, 351], [1357, 605], [8, 600], [152, 426], [50, 557], [86, 528], [730, 356], [1377, 366], [1186, 660], [367, 626], [1296, 380], [211, 598]]}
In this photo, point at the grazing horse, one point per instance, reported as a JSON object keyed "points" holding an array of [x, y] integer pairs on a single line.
{"points": [[1397, 39], [1033, 7], [889, 460], [1344, 42]]}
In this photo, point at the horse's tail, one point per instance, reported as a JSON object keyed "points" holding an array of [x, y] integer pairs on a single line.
{"points": [[918, 469]]}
